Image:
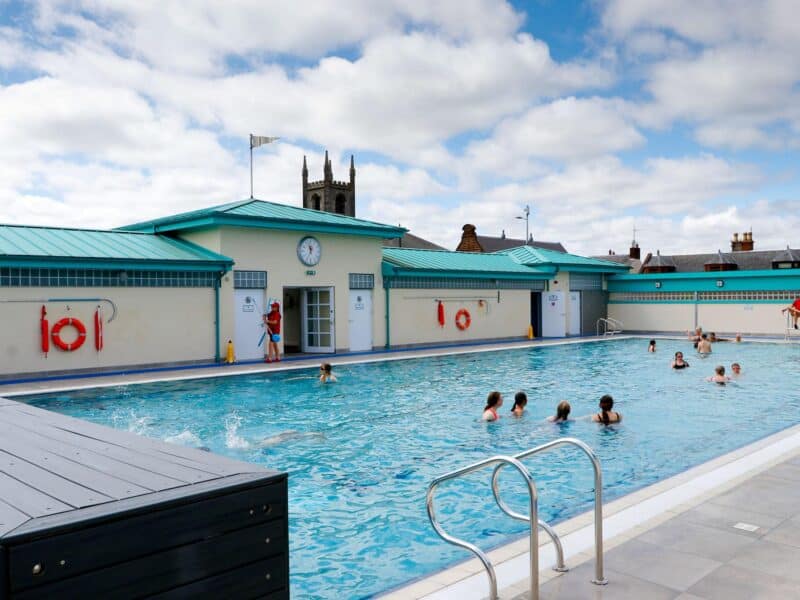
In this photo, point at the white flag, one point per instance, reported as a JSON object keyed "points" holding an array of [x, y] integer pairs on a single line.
{"points": [[260, 140]]}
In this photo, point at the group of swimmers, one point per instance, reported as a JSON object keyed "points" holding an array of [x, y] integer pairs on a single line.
{"points": [[494, 401], [702, 342]]}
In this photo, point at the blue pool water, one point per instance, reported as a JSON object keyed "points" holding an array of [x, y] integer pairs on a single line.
{"points": [[361, 452]]}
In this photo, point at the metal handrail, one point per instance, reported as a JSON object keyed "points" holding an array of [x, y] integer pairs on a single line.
{"points": [[610, 326], [534, 508], [599, 577]]}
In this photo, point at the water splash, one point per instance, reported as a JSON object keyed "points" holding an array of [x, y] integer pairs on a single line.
{"points": [[232, 439], [185, 438]]}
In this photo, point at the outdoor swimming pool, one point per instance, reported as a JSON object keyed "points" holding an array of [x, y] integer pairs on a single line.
{"points": [[361, 452]]}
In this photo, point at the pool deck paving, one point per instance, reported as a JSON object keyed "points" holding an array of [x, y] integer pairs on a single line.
{"points": [[742, 544]]}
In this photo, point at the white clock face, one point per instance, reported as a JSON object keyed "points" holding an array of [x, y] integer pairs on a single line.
{"points": [[309, 251]]}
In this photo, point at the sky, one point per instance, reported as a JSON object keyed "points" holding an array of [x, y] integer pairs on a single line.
{"points": [[680, 118]]}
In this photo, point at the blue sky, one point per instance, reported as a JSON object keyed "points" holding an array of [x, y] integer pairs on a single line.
{"points": [[677, 117]]}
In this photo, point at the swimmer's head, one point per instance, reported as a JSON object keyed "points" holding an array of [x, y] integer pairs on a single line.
{"points": [[606, 402], [736, 368], [719, 370], [652, 342], [679, 355], [520, 399], [494, 399], [325, 368], [562, 410], [704, 336]]}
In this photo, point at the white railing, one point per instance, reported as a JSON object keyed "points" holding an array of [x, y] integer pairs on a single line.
{"points": [[608, 326]]}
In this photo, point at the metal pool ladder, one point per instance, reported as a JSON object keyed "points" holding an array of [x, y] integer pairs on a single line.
{"points": [[499, 462], [608, 326]]}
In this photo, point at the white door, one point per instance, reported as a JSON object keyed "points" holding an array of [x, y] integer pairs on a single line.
{"points": [[554, 316], [317, 320], [248, 342], [574, 313], [360, 320]]}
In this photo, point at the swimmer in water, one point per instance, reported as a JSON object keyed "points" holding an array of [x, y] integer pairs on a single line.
{"points": [[562, 413], [679, 363], [736, 368], [326, 373], [520, 401], [695, 337], [493, 401], [704, 345], [606, 416], [719, 376], [652, 346]]}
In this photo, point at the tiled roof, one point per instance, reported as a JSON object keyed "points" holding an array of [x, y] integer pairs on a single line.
{"points": [[19, 243], [409, 240], [753, 260], [268, 215], [495, 244]]}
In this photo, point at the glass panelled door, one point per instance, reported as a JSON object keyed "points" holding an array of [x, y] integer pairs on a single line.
{"points": [[318, 320]]}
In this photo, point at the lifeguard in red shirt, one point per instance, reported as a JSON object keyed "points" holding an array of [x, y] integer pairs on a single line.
{"points": [[794, 311], [273, 322]]}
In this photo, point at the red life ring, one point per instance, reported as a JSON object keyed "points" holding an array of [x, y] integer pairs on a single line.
{"points": [[98, 330], [463, 319], [57, 334]]}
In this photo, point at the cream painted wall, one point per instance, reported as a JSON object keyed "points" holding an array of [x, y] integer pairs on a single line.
{"points": [[414, 317], [275, 251], [760, 318], [653, 317], [742, 318], [153, 325]]}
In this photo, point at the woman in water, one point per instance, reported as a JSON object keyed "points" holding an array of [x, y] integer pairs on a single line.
{"points": [[520, 400], [493, 401], [652, 346], [679, 363], [606, 416], [562, 413], [326, 373], [719, 375]]}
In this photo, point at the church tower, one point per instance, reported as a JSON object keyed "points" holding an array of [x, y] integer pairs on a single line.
{"points": [[328, 195]]}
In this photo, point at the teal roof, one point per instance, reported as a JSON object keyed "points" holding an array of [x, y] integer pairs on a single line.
{"points": [[268, 215], [534, 257], [445, 263], [60, 247]]}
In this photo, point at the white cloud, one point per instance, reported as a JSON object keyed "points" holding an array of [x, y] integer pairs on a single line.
{"points": [[568, 129]]}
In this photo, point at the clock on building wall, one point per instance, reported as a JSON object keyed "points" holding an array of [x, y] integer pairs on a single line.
{"points": [[309, 251]]}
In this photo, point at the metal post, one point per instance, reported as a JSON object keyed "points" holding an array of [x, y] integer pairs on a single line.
{"points": [[251, 166]]}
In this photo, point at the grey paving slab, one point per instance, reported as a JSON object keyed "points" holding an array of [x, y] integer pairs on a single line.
{"points": [[785, 471], [738, 583], [660, 565], [766, 495], [787, 533], [577, 585], [688, 596], [771, 558], [686, 536], [724, 517]]}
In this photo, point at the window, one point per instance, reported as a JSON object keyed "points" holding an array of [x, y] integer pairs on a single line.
{"points": [[341, 204], [315, 201], [252, 280], [362, 281], [23, 277]]}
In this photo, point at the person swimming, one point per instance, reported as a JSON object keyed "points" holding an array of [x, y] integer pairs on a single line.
{"points": [[326, 373], [704, 345], [695, 337], [737, 370], [679, 363], [719, 376], [520, 401], [493, 401], [562, 413], [652, 346], [606, 416]]}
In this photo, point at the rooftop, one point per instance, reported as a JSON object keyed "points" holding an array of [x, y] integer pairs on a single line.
{"points": [[412, 261], [57, 246], [267, 215], [494, 244], [746, 260]]}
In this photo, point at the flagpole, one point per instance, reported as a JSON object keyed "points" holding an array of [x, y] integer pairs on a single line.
{"points": [[251, 166]]}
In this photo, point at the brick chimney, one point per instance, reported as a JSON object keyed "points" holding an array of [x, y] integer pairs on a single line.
{"points": [[469, 240], [745, 244], [634, 251]]}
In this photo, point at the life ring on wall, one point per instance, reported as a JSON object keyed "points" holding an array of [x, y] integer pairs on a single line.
{"points": [[45, 329], [57, 334], [463, 320]]}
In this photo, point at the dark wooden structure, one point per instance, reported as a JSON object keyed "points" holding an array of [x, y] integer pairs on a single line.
{"points": [[91, 512]]}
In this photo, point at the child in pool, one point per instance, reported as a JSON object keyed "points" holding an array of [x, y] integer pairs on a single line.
{"points": [[493, 402], [520, 401], [719, 375], [326, 374], [562, 413], [606, 416]]}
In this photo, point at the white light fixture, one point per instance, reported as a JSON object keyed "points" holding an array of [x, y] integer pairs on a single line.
{"points": [[720, 283], [658, 284]]}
